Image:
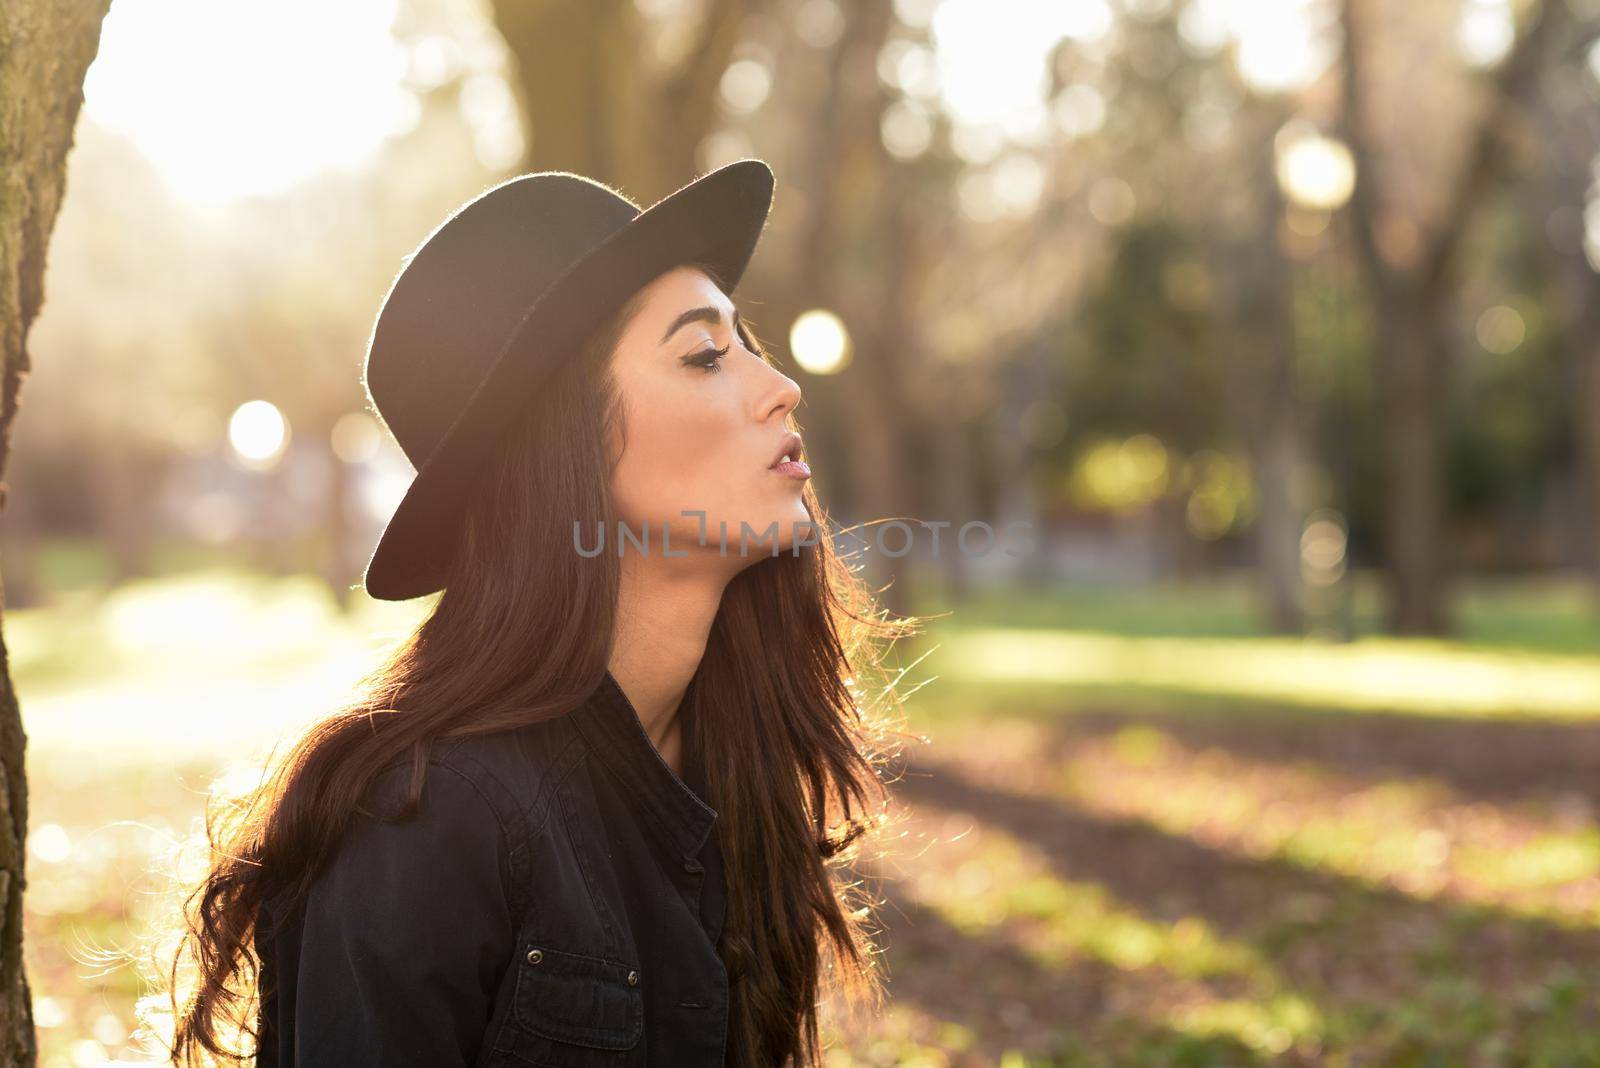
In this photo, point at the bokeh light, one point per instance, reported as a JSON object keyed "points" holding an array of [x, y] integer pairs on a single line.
{"points": [[1282, 44], [1118, 475], [1315, 171], [1323, 548], [745, 85], [1500, 329], [258, 434], [1112, 201], [1485, 31], [906, 129], [356, 437], [820, 342]]}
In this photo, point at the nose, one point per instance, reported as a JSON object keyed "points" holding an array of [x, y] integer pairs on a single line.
{"points": [[781, 395]]}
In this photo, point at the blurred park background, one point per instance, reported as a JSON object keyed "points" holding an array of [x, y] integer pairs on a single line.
{"points": [[1278, 321]]}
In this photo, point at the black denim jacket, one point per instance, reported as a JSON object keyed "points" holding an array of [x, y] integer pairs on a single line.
{"points": [[557, 900]]}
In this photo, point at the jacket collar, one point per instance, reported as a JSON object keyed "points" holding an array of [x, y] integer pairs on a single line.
{"points": [[613, 728]]}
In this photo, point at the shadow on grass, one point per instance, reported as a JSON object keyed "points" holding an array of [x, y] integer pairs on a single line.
{"points": [[1009, 1000], [1498, 760], [1491, 759], [1386, 969]]}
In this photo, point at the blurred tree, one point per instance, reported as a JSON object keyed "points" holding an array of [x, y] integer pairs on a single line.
{"points": [[1410, 269], [995, 249], [1272, 415], [1561, 183], [1183, 334], [604, 98], [45, 51], [858, 218]]}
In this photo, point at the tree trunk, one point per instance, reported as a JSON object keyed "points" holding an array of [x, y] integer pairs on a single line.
{"points": [[1410, 355], [880, 420], [1586, 356], [1025, 378], [845, 154], [1568, 132], [45, 50], [1264, 382], [1408, 289], [596, 103]]}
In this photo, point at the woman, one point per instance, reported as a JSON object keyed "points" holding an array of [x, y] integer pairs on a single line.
{"points": [[591, 812]]}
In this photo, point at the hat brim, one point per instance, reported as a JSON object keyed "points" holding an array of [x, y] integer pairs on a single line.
{"points": [[716, 219]]}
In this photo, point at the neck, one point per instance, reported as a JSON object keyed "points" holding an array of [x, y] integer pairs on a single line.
{"points": [[664, 616]]}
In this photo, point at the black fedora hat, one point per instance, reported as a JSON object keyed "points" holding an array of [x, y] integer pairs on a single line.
{"points": [[499, 294]]}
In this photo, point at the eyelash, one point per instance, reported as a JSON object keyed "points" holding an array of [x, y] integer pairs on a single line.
{"points": [[708, 359]]}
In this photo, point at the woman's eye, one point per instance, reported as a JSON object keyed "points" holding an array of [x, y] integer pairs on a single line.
{"points": [[708, 359]]}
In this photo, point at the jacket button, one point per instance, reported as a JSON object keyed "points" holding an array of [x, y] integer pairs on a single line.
{"points": [[633, 978], [535, 956]]}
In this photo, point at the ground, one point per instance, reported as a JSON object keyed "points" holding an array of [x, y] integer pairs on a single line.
{"points": [[1138, 832]]}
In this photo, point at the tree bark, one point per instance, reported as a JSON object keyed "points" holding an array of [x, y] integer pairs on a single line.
{"points": [[45, 51]]}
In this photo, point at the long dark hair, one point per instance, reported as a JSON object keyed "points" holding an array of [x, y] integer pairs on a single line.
{"points": [[793, 743]]}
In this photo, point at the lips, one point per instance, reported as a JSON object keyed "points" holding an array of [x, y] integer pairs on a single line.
{"points": [[792, 447]]}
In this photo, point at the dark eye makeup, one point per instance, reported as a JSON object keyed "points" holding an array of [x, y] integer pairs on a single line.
{"points": [[708, 359]]}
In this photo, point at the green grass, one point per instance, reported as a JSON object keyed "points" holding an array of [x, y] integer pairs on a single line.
{"points": [[1545, 615], [1523, 651]]}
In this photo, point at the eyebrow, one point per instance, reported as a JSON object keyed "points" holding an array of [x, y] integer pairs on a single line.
{"points": [[697, 315]]}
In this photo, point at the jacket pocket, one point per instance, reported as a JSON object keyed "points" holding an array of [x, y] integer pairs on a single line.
{"points": [[576, 1000]]}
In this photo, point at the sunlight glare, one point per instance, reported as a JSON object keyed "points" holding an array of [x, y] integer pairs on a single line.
{"points": [[992, 55], [229, 99], [1282, 44]]}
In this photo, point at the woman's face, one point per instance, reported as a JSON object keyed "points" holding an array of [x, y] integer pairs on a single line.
{"points": [[703, 422]]}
